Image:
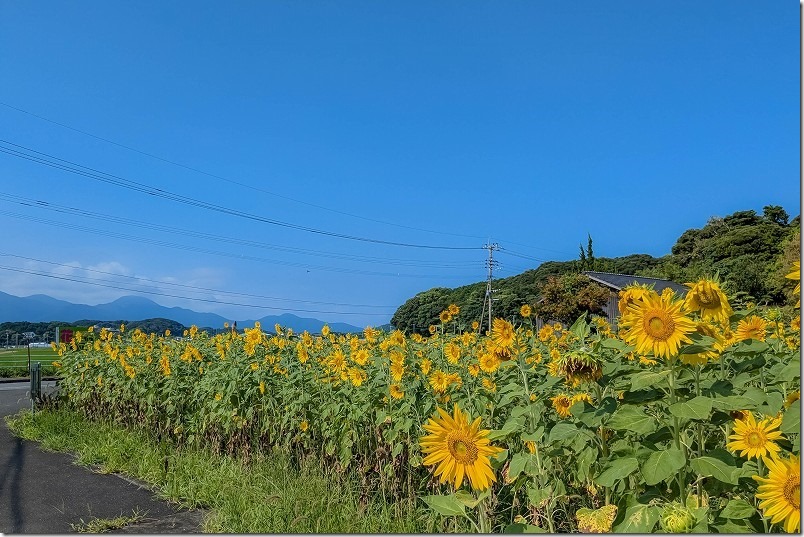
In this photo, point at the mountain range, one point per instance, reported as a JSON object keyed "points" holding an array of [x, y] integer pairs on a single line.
{"points": [[43, 308]]}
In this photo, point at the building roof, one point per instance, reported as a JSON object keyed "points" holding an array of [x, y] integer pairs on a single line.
{"points": [[618, 281]]}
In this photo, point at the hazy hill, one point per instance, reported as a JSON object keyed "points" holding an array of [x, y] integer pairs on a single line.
{"points": [[43, 308]]}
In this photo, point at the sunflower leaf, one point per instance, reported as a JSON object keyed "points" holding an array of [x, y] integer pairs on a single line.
{"points": [[791, 421], [662, 465], [697, 408], [639, 518], [707, 466], [618, 469], [629, 418], [648, 379], [445, 505], [737, 509]]}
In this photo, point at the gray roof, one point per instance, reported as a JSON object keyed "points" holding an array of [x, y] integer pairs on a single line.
{"points": [[618, 281]]}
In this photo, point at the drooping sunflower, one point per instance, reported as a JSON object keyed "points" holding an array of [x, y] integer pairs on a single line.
{"points": [[502, 333], [756, 439], [752, 327], [459, 449], [577, 367], [780, 493], [706, 297], [657, 324]]}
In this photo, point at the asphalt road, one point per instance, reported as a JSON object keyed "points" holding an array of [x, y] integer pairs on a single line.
{"points": [[44, 492]]}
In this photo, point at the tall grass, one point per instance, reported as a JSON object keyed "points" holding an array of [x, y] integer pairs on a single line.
{"points": [[268, 494]]}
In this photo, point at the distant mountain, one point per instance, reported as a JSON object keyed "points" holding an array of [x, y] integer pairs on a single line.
{"points": [[43, 308]]}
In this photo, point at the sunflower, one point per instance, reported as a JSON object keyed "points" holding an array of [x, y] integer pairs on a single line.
{"points": [[444, 316], [396, 392], [754, 440], [502, 332], [657, 324], [459, 449], [452, 352], [439, 381], [706, 297], [453, 309], [792, 398], [525, 310], [577, 367], [780, 493], [562, 404], [752, 327], [489, 362], [700, 358], [796, 275], [631, 294]]}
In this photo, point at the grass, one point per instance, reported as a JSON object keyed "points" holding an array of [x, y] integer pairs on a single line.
{"points": [[267, 495], [100, 525], [14, 362]]}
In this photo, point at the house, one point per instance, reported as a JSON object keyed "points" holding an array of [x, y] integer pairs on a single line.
{"points": [[615, 282]]}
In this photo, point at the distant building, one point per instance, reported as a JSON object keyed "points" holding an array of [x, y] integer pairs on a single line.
{"points": [[616, 282]]}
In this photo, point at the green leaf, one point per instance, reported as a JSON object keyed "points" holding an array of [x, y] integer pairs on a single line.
{"points": [[444, 505], [537, 496], [791, 421], [629, 418], [737, 509], [697, 408], [756, 396], [618, 469], [639, 518], [648, 379], [711, 467], [732, 402], [517, 465], [469, 500], [662, 465], [561, 431], [523, 528], [750, 346]]}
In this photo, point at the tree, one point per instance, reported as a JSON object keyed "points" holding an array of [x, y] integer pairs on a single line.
{"points": [[565, 298], [775, 213]]}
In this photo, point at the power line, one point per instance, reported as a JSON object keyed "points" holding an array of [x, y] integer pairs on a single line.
{"points": [[232, 181], [210, 301], [40, 204], [64, 225], [92, 173], [192, 287]]}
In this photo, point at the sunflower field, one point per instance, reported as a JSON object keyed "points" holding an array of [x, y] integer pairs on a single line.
{"points": [[685, 418]]}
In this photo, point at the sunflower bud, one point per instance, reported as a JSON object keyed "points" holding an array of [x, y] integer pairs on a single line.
{"points": [[677, 518]]}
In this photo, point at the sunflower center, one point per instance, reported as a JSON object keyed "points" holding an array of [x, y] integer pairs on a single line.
{"points": [[755, 439], [792, 490], [659, 325], [461, 447]]}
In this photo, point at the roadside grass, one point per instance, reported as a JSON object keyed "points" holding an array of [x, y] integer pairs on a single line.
{"points": [[267, 495], [14, 362], [101, 525]]}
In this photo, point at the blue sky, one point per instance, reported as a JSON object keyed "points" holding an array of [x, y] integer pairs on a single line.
{"points": [[425, 123]]}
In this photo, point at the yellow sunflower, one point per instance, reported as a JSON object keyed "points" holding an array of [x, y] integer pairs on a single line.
{"points": [[453, 309], [439, 381], [502, 332], [396, 392], [444, 316], [706, 297], [525, 310], [489, 362], [657, 324], [796, 275], [562, 404], [752, 327], [754, 440], [632, 294], [459, 449], [780, 493]]}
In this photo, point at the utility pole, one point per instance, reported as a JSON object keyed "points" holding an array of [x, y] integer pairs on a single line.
{"points": [[490, 264]]}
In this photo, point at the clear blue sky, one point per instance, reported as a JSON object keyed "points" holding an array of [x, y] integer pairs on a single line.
{"points": [[427, 123]]}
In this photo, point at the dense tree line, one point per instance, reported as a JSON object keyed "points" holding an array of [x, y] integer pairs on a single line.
{"points": [[157, 325], [750, 254]]}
